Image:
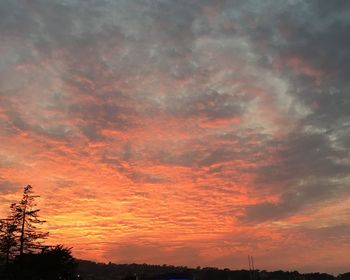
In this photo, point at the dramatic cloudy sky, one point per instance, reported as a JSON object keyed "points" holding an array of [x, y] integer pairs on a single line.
{"points": [[181, 132]]}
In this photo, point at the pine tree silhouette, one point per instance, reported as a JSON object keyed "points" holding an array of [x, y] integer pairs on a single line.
{"points": [[25, 217]]}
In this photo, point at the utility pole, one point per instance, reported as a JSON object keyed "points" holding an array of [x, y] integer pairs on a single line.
{"points": [[251, 267]]}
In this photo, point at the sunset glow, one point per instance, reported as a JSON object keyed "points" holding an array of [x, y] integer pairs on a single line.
{"points": [[181, 132]]}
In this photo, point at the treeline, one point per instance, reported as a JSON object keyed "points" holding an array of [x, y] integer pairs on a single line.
{"points": [[22, 253], [100, 271]]}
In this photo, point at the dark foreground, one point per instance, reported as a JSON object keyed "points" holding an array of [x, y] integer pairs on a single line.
{"points": [[97, 271], [46, 267]]}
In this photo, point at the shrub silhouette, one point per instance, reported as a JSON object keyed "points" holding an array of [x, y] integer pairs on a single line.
{"points": [[54, 263]]}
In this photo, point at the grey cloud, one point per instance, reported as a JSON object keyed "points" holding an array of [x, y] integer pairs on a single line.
{"points": [[304, 155], [126, 154], [338, 231], [7, 187], [143, 177], [63, 183], [92, 132], [18, 122], [310, 194], [46, 119], [316, 33], [112, 112], [246, 145], [311, 169], [209, 105], [86, 36]]}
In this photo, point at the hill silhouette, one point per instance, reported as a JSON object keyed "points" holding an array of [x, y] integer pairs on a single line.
{"points": [[89, 270]]}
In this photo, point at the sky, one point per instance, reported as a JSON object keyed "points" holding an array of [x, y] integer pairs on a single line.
{"points": [[181, 132]]}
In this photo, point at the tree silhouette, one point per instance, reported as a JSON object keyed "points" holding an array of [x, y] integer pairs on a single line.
{"points": [[7, 239], [25, 218], [52, 263], [21, 247]]}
